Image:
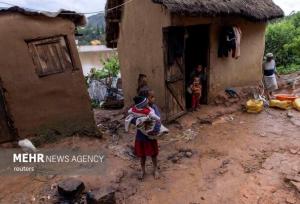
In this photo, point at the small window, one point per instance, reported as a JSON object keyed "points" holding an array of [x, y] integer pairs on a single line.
{"points": [[50, 56]]}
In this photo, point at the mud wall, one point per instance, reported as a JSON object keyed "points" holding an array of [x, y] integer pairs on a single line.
{"points": [[37, 105], [140, 48], [230, 72]]}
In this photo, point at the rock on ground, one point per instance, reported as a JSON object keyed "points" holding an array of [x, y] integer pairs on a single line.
{"points": [[101, 196], [70, 188]]}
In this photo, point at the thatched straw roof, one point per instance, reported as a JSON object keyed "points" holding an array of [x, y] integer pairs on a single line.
{"points": [[78, 19], [255, 10]]}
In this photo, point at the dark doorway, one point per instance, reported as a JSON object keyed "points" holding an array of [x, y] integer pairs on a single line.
{"points": [[197, 53], [5, 133]]}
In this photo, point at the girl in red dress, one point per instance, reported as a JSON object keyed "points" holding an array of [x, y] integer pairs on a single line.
{"points": [[144, 146]]}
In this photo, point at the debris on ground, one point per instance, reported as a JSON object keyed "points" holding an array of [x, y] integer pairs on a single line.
{"points": [[112, 104], [289, 114], [223, 167], [293, 151], [189, 135], [120, 176], [70, 189], [236, 95], [125, 152], [101, 196], [208, 121], [182, 153], [293, 180], [291, 199], [256, 162]]}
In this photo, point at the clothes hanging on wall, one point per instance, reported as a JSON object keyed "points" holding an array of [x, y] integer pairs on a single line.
{"points": [[226, 41], [229, 41], [238, 37]]}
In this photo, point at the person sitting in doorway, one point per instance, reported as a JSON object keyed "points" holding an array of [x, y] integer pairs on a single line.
{"points": [[196, 89]]}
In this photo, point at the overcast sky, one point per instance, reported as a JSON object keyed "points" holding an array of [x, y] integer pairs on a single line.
{"points": [[98, 5]]}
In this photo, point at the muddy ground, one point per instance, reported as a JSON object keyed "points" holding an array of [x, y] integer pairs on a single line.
{"points": [[237, 158]]}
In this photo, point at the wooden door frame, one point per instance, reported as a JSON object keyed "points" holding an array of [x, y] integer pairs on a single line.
{"points": [[166, 66], [165, 50]]}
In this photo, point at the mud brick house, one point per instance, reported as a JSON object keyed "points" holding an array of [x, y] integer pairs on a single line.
{"points": [[166, 39], [42, 84]]}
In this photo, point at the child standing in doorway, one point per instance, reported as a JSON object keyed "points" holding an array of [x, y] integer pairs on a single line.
{"points": [[196, 89]]}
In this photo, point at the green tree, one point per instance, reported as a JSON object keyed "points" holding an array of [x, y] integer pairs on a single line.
{"points": [[283, 39], [278, 37], [111, 68]]}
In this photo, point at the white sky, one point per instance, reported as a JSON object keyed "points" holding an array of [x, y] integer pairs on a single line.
{"points": [[98, 5], [288, 5]]}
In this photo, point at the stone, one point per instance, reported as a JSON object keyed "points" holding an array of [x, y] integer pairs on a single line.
{"points": [[70, 188], [291, 200], [296, 185], [181, 154], [293, 151], [175, 159], [262, 134], [289, 114], [295, 178], [208, 121], [189, 154], [101, 196]]}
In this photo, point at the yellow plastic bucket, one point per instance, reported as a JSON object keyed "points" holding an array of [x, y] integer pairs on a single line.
{"points": [[254, 106]]}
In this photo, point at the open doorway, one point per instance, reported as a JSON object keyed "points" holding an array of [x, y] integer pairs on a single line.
{"points": [[197, 53]]}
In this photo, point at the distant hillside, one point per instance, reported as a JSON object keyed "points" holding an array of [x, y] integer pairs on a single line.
{"points": [[94, 30], [97, 20]]}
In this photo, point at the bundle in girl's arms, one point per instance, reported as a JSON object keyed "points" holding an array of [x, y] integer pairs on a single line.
{"points": [[145, 119]]}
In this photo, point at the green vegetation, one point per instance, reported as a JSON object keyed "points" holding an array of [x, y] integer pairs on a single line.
{"points": [[110, 69], [89, 34], [95, 30], [289, 69], [283, 40]]}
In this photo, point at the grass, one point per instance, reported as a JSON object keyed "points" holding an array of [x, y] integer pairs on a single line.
{"points": [[292, 68]]}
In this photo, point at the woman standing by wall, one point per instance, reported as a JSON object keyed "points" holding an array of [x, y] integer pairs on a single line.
{"points": [[269, 71]]}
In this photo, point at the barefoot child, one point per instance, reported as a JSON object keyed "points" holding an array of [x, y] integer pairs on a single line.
{"points": [[144, 146], [146, 113], [158, 127], [196, 92]]}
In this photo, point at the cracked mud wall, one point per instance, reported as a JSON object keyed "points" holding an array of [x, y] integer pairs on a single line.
{"points": [[56, 102]]}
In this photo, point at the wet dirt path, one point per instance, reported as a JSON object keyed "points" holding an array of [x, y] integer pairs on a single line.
{"points": [[242, 160], [238, 159]]}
